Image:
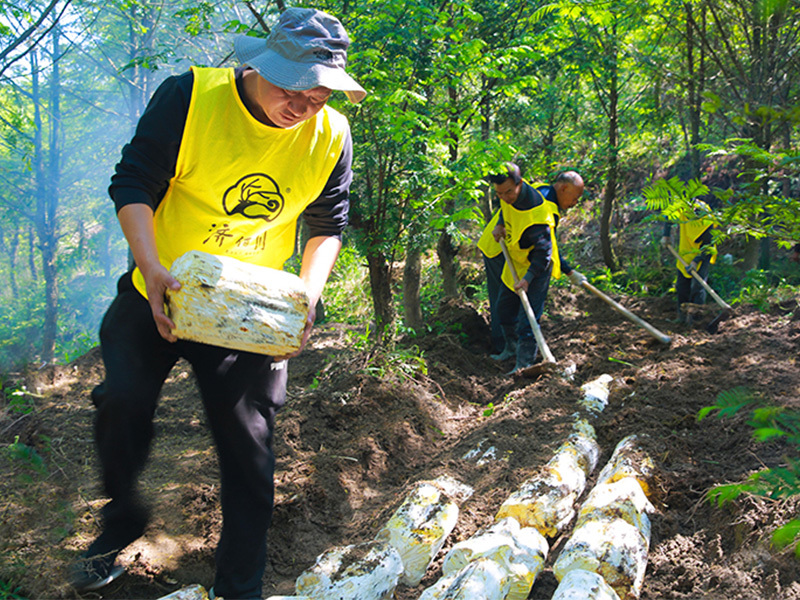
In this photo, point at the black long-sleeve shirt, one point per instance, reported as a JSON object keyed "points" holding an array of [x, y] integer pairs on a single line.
{"points": [[537, 237], [149, 159]]}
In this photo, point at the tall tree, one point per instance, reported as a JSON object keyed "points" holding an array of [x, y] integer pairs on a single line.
{"points": [[753, 45], [617, 43]]}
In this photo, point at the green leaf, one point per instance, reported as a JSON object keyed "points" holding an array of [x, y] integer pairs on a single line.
{"points": [[766, 433], [787, 534]]}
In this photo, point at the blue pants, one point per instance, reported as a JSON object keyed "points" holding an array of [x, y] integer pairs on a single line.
{"points": [[509, 307], [494, 268], [241, 393]]}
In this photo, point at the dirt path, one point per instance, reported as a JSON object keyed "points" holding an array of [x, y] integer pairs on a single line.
{"points": [[353, 439]]}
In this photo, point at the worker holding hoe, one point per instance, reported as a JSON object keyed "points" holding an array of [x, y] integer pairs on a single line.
{"points": [[224, 161], [696, 249], [528, 221]]}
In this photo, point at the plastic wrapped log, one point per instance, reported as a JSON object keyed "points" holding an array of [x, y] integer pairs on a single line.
{"points": [[595, 394], [609, 546], [623, 498], [584, 585], [629, 459], [421, 524], [482, 579], [191, 592], [520, 552], [229, 303], [546, 501], [368, 571], [582, 427]]}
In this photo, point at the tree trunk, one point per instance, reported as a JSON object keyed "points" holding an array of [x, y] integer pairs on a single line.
{"points": [[380, 281], [486, 127], [10, 249], [412, 309], [445, 248], [46, 200], [695, 71], [613, 166], [751, 250], [32, 253], [52, 191]]}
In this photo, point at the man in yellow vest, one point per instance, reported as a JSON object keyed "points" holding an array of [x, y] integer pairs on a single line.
{"points": [[528, 224], [223, 161], [696, 248]]}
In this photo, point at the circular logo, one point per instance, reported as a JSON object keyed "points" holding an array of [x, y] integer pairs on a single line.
{"points": [[255, 196]]}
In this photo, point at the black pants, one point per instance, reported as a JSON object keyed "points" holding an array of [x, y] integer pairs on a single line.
{"points": [[688, 289], [241, 392]]}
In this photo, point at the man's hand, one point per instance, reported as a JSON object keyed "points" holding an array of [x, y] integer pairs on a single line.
{"points": [[312, 315], [499, 232], [692, 267], [522, 284], [577, 278], [157, 281], [665, 241]]}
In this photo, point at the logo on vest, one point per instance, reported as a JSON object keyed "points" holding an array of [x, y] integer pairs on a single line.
{"points": [[255, 196]]}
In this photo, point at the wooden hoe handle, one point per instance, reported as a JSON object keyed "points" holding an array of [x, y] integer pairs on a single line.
{"points": [[537, 332], [725, 306]]}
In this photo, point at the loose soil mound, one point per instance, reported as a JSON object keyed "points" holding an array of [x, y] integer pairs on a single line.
{"points": [[362, 426]]}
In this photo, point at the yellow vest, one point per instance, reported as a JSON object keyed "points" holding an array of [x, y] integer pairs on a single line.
{"points": [[688, 246], [240, 185], [516, 222], [487, 244]]}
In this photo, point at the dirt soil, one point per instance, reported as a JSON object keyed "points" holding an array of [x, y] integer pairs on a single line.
{"points": [[354, 438]]}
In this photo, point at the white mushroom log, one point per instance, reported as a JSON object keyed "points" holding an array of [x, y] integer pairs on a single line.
{"points": [[421, 524], [584, 585], [191, 592], [226, 302], [481, 579], [546, 501], [519, 551], [629, 459], [612, 533], [611, 547], [368, 571], [595, 394]]}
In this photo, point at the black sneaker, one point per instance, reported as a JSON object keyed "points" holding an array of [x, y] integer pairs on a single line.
{"points": [[94, 572]]}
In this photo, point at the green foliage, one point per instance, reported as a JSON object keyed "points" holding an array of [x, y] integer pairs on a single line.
{"points": [[728, 403], [406, 362], [9, 591], [347, 293], [768, 423], [673, 197], [27, 456], [18, 400], [757, 206]]}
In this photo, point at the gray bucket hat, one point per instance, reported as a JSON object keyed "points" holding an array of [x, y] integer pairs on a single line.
{"points": [[305, 49]]}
